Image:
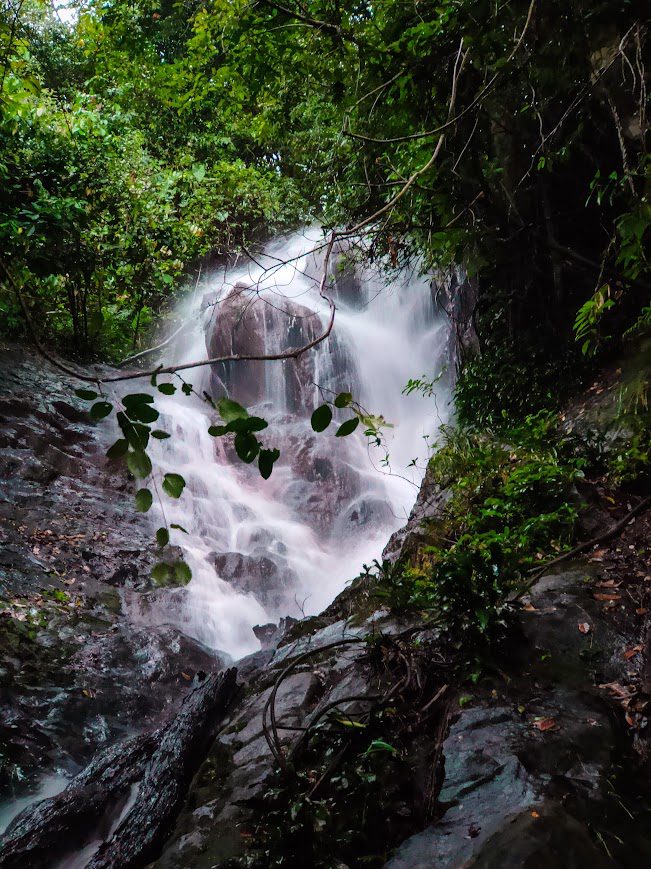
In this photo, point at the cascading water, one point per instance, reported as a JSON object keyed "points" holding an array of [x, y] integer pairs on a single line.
{"points": [[261, 549]]}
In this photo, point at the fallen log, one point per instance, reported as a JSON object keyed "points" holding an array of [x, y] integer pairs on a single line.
{"points": [[119, 810]]}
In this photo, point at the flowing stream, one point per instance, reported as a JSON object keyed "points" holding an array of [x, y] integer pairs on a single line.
{"points": [[263, 549]]}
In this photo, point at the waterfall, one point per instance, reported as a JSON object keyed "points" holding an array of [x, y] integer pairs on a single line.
{"points": [[262, 549]]}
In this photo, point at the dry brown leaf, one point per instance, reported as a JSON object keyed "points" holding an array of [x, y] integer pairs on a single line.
{"points": [[632, 652], [606, 596], [186, 676], [544, 724], [529, 608], [609, 583], [618, 690], [641, 611], [584, 627]]}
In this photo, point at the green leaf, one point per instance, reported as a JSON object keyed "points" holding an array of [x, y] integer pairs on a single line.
{"points": [[155, 375], [100, 409], [173, 485], [247, 424], [266, 462], [161, 573], [187, 388], [379, 745], [136, 433], [230, 410], [321, 418], [182, 573], [246, 447], [137, 398], [139, 463], [160, 435], [178, 527], [86, 394], [118, 449], [143, 413], [343, 399], [167, 388], [144, 500], [162, 537], [347, 427], [218, 431]]}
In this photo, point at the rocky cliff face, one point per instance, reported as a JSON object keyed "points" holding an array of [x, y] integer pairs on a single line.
{"points": [[75, 675], [353, 735]]}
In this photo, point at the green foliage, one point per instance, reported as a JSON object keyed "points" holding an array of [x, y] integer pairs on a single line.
{"points": [[511, 503], [173, 485], [509, 381], [321, 418], [109, 197], [588, 318]]}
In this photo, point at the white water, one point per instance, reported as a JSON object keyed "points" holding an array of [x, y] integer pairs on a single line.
{"points": [[329, 505]]}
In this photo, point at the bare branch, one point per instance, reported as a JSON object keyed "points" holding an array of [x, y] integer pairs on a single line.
{"points": [[390, 205], [172, 369], [450, 122]]}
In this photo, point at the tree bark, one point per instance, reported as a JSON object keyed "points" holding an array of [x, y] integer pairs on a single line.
{"points": [[144, 778]]}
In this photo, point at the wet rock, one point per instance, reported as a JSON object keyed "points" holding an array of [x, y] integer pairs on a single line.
{"points": [[97, 820], [244, 323], [71, 547], [429, 507], [456, 294], [268, 578], [266, 634], [544, 752]]}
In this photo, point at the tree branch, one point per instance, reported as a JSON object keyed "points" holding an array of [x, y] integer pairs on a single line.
{"points": [[326, 26], [450, 122], [172, 369]]}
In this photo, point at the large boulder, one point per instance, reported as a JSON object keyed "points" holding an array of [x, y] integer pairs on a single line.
{"points": [[249, 324]]}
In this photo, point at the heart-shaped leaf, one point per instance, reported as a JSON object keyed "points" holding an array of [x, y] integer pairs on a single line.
{"points": [[144, 500], [173, 485], [321, 418]]}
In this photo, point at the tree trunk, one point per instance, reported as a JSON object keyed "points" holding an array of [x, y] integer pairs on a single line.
{"points": [[122, 806]]}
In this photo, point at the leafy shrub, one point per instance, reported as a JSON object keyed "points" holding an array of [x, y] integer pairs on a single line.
{"points": [[512, 501], [508, 382]]}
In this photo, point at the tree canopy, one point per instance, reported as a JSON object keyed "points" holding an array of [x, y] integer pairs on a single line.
{"points": [[139, 137]]}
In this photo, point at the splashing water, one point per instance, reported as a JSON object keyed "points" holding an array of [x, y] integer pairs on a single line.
{"points": [[262, 549]]}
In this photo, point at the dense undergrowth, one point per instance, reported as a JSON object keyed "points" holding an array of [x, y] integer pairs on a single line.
{"points": [[511, 503]]}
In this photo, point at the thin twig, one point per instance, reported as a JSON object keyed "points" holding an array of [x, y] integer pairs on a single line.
{"points": [[172, 369], [452, 121], [600, 538]]}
